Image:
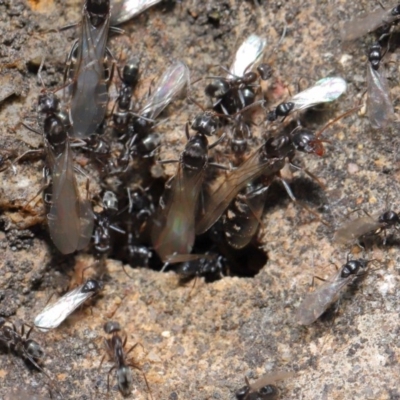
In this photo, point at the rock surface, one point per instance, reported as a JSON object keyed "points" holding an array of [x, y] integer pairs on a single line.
{"points": [[203, 346]]}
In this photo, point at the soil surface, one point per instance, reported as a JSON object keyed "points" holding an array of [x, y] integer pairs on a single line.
{"points": [[200, 343]]}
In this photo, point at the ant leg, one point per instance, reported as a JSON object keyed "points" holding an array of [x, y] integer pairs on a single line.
{"points": [[310, 174], [144, 377], [108, 378], [68, 60], [133, 347], [101, 363]]}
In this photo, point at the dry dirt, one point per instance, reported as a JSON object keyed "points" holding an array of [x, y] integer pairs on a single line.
{"points": [[202, 348]]}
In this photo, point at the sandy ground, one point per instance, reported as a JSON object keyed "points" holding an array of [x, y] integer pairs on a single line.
{"points": [[202, 348]]}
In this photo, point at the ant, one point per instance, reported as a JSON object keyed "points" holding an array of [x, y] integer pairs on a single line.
{"points": [[115, 349]]}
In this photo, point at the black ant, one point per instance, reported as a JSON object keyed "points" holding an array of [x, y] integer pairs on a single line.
{"points": [[115, 350]]}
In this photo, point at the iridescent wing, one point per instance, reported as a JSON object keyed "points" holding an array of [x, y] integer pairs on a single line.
{"points": [[170, 85], [369, 22], [124, 10], [174, 229], [351, 231], [54, 314], [247, 56], [270, 378], [232, 184], [70, 221], [89, 89], [317, 302], [325, 90], [379, 106]]}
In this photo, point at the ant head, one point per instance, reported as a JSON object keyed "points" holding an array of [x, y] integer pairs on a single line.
{"points": [[272, 116], [352, 267], [48, 103], [268, 390], [111, 327], [92, 285], [306, 142], [395, 11], [34, 350], [98, 7], [217, 88], [242, 393], [389, 218], [265, 71], [130, 73]]}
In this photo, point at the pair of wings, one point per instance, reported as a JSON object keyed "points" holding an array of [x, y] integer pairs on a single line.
{"points": [[89, 91], [70, 219]]}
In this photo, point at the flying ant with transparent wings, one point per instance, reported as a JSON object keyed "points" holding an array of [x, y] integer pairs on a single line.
{"points": [[88, 88], [115, 349], [167, 89], [325, 90], [70, 218], [263, 388], [129, 78], [369, 22], [379, 106], [140, 138], [236, 90], [54, 314], [124, 10], [267, 161], [173, 230], [366, 225], [317, 302]]}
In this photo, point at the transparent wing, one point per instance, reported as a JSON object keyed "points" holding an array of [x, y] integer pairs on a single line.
{"points": [[170, 85], [317, 302], [352, 230], [232, 184], [270, 378], [379, 106], [370, 22], [174, 230], [86, 218], [54, 314], [324, 91], [63, 218], [248, 54], [89, 89], [124, 10]]}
